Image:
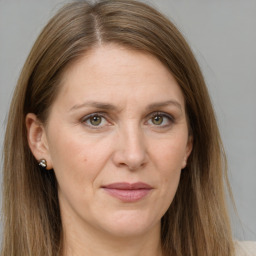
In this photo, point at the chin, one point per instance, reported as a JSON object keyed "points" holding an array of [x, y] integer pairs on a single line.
{"points": [[131, 224]]}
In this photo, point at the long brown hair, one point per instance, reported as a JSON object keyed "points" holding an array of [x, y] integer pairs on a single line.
{"points": [[196, 222]]}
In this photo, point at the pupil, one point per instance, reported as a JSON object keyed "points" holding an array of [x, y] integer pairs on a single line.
{"points": [[158, 120], [95, 120]]}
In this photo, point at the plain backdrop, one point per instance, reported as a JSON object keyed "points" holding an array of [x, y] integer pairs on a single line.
{"points": [[222, 34]]}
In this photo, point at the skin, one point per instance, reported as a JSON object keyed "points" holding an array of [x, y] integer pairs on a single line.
{"points": [[140, 136]]}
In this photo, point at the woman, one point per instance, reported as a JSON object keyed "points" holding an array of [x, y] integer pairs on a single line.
{"points": [[112, 147]]}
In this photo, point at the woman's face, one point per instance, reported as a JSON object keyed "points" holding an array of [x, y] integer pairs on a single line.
{"points": [[117, 138]]}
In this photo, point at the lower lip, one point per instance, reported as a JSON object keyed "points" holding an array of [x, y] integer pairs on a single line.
{"points": [[128, 195]]}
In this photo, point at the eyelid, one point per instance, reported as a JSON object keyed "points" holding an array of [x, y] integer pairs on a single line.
{"points": [[100, 114], [85, 117], [160, 113], [163, 114], [107, 119]]}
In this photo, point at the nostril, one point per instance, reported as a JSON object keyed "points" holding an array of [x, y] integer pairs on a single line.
{"points": [[133, 164]]}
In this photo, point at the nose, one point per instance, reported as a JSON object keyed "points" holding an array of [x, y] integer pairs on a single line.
{"points": [[130, 149]]}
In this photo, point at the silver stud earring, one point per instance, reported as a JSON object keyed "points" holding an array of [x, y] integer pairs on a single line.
{"points": [[42, 163]]}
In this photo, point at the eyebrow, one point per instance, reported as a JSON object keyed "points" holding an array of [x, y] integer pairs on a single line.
{"points": [[164, 104], [108, 106], [95, 104]]}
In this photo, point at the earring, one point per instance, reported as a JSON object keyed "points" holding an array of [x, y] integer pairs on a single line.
{"points": [[42, 163]]}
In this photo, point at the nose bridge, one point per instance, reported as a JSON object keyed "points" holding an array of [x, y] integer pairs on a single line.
{"points": [[133, 138], [131, 150]]}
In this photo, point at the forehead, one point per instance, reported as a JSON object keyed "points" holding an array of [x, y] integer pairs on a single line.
{"points": [[119, 73]]}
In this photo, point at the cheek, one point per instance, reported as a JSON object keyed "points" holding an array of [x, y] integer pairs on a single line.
{"points": [[168, 157], [78, 163], [170, 154], [77, 160], [74, 148]]}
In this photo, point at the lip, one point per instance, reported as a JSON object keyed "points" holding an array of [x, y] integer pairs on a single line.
{"points": [[128, 192]]}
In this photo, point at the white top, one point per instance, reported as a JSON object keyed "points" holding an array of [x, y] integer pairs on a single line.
{"points": [[245, 248]]}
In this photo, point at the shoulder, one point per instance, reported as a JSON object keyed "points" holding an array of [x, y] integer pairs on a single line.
{"points": [[245, 248]]}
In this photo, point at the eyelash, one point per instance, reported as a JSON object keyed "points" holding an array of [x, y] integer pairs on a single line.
{"points": [[171, 119], [96, 114]]}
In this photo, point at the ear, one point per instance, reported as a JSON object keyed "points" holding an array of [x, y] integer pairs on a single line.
{"points": [[37, 140], [189, 148]]}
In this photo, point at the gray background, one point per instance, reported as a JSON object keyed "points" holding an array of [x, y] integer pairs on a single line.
{"points": [[222, 34]]}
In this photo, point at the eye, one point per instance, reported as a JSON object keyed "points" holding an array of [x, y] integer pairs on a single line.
{"points": [[95, 120], [157, 120], [160, 119]]}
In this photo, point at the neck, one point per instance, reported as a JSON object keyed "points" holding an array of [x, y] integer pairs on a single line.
{"points": [[78, 242]]}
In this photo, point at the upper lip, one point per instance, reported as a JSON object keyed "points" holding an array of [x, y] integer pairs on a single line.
{"points": [[128, 186]]}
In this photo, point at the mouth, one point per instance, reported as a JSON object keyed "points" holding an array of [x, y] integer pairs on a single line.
{"points": [[128, 192]]}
